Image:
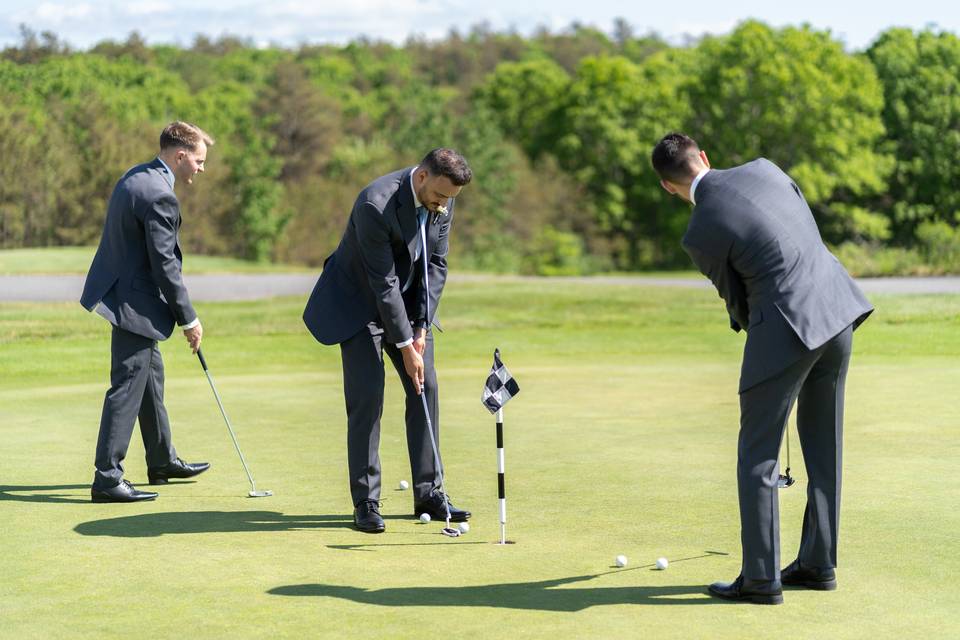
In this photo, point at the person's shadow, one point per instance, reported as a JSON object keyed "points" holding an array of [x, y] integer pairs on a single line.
{"points": [[542, 595], [178, 522], [51, 493]]}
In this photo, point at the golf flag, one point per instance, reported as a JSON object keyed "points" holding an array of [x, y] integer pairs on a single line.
{"points": [[500, 386]]}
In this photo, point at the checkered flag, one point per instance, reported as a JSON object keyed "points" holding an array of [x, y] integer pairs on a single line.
{"points": [[500, 386]]}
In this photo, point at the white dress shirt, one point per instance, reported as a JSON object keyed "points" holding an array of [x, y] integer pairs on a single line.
{"points": [[696, 181], [416, 205]]}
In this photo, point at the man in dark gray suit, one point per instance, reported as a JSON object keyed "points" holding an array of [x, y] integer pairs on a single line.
{"points": [[379, 293], [753, 235], [135, 283]]}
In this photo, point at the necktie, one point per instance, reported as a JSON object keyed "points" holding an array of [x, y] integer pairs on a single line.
{"points": [[421, 221]]}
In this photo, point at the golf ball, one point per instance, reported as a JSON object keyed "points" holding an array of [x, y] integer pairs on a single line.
{"points": [[404, 485], [621, 561], [662, 563], [424, 518], [464, 527]]}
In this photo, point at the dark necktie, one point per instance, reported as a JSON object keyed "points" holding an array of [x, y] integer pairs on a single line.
{"points": [[421, 221]]}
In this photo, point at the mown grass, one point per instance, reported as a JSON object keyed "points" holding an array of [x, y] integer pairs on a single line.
{"points": [[623, 440]]}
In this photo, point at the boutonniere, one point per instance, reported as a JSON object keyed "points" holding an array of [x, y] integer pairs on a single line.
{"points": [[441, 211]]}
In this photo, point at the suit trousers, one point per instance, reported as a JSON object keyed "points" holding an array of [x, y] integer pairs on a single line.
{"points": [[363, 385], [816, 383], [136, 392]]}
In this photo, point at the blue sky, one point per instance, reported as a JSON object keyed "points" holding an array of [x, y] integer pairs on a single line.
{"points": [[292, 22]]}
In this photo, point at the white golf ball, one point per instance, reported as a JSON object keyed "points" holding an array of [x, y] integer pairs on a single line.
{"points": [[404, 485], [621, 561], [464, 527], [662, 563], [424, 518]]}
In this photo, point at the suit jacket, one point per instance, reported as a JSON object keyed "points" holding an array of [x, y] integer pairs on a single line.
{"points": [[136, 274], [361, 281], [752, 233]]}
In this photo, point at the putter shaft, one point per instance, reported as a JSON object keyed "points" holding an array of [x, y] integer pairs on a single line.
{"points": [[233, 436], [436, 453]]}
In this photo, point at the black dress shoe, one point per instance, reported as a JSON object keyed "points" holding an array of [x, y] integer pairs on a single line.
{"points": [[434, 506], [366, 517], [176, 469], [798, 575], [746, 590], [123, 492]]}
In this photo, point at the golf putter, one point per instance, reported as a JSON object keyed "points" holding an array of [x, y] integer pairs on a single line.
{"points": [[786, 480], [254, 493], [447, 530]]}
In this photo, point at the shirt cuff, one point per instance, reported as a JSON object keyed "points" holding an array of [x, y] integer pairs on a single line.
{"points": [[405, 343], [191, 325]]}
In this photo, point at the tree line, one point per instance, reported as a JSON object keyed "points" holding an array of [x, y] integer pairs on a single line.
{"points": [[558, 127]]}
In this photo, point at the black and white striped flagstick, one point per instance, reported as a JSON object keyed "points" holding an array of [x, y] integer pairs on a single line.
{"points": [[499, 388], [501, 485]]}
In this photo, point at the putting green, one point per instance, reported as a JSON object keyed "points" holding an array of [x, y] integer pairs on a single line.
{"points": [[622, 441]]}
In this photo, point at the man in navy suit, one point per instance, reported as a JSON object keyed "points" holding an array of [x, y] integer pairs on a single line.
{"points": [[135, 283], [379, 293], [752, 233]]}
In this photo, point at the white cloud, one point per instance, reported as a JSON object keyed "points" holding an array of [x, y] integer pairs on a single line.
{"points": [[145, 8], [291, 22], [58, 12], [681, 30]]}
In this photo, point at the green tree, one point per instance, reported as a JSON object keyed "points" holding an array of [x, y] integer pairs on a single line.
{"points": [[920, 74], [249, 214], [796, 97], [615, 112], [528, 99]]}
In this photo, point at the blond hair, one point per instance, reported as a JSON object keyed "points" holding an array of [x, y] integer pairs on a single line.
{"points": [[183, 135]]}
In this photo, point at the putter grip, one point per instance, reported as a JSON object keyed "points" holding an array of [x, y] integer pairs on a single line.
{"points": [[203, 362]]}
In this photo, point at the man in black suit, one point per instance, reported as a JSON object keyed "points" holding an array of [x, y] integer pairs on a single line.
{"points": [[135, 283], [379, 293], [753, 235]]}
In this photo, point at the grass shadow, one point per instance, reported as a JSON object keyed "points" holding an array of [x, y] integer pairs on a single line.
{"points": [[148, 525]]}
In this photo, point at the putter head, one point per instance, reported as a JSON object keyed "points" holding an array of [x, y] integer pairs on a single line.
{"points": [[259, 494], [450, 532], [785, 481]]}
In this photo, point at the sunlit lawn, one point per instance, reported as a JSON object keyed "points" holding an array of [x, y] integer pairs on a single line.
{"points": [[622, 440]]}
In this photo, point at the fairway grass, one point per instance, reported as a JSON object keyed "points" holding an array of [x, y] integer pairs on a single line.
{"points": [[622, 441]]}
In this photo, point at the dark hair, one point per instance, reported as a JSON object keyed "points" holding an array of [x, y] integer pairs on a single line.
{"points": [[449, 163], [183, 135], [675, 157]]}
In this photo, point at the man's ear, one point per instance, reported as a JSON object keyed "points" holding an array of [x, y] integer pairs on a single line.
{"points": [[703, 159], [668, 187], [420, 176]]}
